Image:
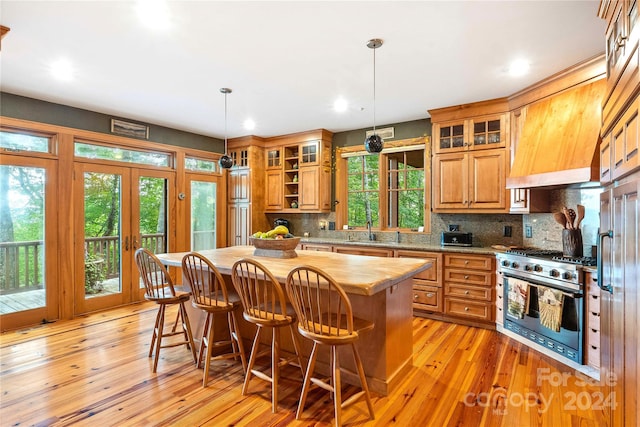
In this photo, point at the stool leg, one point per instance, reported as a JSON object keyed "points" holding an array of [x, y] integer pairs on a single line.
{"points": [[252, 360], [296, 348], [186, 326], [159, 336], [154, 336], [210, 341], [275, 368], [203, 340], [363, 380], [236, 335], [306, 384], [337, 392]]}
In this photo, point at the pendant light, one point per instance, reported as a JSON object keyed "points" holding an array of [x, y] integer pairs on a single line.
{"points": [[373, 143], [225, 161]]}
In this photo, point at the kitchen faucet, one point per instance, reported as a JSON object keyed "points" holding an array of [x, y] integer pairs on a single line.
{"points": [[371, 235]]}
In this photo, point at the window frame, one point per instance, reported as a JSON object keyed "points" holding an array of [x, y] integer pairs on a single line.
{"points": [[341, 182]]}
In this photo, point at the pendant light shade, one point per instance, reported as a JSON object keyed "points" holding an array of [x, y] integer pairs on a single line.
{"points": [[225, 161], [373, 143]]}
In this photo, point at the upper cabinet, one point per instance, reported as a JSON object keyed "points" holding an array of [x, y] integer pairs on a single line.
{"points": [[619, 149], [470, 161], [298, 173], [475, 133]]}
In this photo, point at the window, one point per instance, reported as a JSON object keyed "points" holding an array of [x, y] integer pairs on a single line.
{"points": [[102, 152], [386, 189], [405, 189], [11, 141], [363, 191], [200, 165]]}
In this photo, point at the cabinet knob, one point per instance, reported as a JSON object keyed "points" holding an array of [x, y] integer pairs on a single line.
{"points": [[466, 309], [415, 296], [466, 277], [430, 295], [466, 292]]}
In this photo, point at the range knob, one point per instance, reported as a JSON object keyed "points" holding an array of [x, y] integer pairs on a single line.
{"points": [[514, 264], [554, 273], [567, 275], [537, 268], [528, 267], [505, 263]]}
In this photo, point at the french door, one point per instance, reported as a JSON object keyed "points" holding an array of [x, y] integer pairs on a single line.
{"points": [[118, 210], [29, 285]]}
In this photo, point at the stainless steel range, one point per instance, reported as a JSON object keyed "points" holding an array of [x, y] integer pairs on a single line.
{"points": [[544, 299]]}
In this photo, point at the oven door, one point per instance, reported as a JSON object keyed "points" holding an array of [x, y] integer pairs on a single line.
{"points": [[550, 316]]}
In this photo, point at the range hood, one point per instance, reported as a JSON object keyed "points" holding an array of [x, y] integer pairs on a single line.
{"points": [[560, 139]]}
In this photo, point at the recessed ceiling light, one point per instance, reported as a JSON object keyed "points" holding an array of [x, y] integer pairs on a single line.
{"points": [[249, 124], [62, 70], [341, 105], [519, 67], [154, 14]]}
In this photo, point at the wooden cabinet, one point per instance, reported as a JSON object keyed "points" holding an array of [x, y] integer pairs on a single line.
{"points": [[470, 162], [469, 286], [529, 200], [499, 298], [473, 133], [620, 148], [316, 247], [427, 285], [298, 173], [360, 250], [244, 196], [471, 181], [592, 320]]}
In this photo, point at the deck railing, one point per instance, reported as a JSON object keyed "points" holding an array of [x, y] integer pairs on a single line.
{"points": [[21, 263]]}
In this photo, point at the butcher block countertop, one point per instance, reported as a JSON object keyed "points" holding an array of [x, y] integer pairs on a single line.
{"points": [[356, 274]]}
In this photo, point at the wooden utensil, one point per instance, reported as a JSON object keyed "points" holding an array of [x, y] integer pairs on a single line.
{"points": [[565, 212], [572, 217], [560, 219], [580, 216]]}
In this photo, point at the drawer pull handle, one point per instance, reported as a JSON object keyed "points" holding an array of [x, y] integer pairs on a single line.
{"points": [[593, 347], [430, 295], [594, 330]]}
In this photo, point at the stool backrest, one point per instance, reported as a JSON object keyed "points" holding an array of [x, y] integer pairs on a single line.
{"points": [[207, 284], [261, 294], [157, 281], [322, 306]]}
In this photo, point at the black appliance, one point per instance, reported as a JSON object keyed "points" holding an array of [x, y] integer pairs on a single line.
{"points": [[282, 221], [454, 238], [542, 271]]}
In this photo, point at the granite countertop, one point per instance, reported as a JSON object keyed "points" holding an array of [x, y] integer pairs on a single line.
{"points": [[406, 246]]}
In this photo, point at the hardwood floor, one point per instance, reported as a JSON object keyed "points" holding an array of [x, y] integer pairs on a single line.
{"points": [[95, 371]]}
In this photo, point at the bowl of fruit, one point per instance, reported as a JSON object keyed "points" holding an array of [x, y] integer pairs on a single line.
{"points": [[276, 243]]}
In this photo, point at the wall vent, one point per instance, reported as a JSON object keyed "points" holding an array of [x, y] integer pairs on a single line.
{"points": [[385, 133]]}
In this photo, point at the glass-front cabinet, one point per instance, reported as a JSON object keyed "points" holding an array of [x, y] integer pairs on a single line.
{"points": [[470, 134]]}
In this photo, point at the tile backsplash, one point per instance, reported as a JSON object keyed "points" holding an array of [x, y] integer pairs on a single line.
{"points": [[487, 229]]}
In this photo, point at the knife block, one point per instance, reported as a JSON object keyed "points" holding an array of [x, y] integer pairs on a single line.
{"points": [[572, 243]]}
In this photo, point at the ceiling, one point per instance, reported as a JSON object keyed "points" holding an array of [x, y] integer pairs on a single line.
{"points": [[287, 62]]}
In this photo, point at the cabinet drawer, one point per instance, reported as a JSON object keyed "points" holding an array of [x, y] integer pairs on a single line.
{"points": [[469, 277], [316, 247], [593, 303], [593, 340], [593, 321], [432, 274], [427, 298], [464, 291], [469, 309], [352, 250], [499, 315], [593, 357], [469, 262]]}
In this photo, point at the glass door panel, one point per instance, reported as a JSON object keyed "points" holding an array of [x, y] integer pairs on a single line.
{"points": [[28, 258], [102, 236], [151, 204], [203, 215]]}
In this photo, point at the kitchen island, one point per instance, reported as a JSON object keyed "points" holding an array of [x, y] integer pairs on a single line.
{"points": [[380, 290]]}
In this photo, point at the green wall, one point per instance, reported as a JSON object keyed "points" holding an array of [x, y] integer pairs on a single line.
{"points": [[404, 130], [20, 107]]}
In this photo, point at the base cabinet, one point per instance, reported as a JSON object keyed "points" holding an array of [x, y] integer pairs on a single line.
{"points": [[592, 347], [427, 286], [469, 287]]}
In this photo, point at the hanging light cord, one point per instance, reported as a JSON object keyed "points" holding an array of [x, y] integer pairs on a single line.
{"points": [[374, 91], [225, 122]]}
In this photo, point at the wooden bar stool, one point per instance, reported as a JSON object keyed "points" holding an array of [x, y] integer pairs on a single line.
{"points": [[325, 316], [265, 305], [210, 295], [159, 289]]}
